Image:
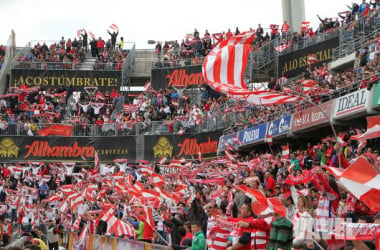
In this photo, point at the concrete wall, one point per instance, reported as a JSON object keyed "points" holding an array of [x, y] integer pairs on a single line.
{"points": [[293, 11]]}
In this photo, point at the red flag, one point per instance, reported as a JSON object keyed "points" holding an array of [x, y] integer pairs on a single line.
{"points": [[373, 129], [56, 129], [362, 180], [285, 151]]}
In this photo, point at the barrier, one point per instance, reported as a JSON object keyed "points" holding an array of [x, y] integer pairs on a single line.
{"points": [[101, 242]]}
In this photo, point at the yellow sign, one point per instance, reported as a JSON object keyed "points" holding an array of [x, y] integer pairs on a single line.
{"points": [[8, 148], [163, 148]]}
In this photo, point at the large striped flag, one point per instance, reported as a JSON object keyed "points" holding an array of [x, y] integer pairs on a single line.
{"points": [[362, 142], [373, 129], [362, 180], [224, 68]]}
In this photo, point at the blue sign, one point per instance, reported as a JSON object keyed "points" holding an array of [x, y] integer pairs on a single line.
{"points": [[254, 134], [279, 126]]}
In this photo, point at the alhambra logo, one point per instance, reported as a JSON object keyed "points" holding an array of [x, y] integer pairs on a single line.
{"points": [[163, 148], [8, 148]]}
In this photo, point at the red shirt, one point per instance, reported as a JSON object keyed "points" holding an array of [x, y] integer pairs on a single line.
{"points": [[270, 183]]}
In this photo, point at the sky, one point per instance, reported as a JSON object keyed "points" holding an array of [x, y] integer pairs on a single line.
{"points": [[143, 20]]}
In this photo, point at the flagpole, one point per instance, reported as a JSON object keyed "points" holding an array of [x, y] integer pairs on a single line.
{"points": [[305, 98]]}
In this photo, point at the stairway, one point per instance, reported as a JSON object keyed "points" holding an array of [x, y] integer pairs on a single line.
{"points": [[88, 64]]}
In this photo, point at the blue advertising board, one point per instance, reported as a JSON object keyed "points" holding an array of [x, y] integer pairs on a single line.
{"points": [[252, 135], [279, 126]]}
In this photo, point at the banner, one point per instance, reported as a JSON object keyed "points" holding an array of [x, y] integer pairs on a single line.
{"points": [[54, 149], [376, 96], [295, 63], [178, 146], [189, 76], [312, 116], [279, 126], [351, 104], [77, 79], [252, 135], [56, 129]]}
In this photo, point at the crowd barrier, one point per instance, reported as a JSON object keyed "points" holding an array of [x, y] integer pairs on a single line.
{"points": [[99, 242]]}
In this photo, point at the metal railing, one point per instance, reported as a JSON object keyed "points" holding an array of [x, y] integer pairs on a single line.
{"points": [[45, 65], [355, 35]]}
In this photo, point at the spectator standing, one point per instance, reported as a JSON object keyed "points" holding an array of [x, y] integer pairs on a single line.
{"points": [[113, 38]]}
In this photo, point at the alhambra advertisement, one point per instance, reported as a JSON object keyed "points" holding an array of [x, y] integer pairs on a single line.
{"points": [[178, 146], [79, 149], [181, 77]]}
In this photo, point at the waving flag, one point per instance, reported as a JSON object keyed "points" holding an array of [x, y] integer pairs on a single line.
{"points": [[285, 28], [224, 68], [311, 58], [305, 25], [362, 180], [91, 35], [362, 142], [373, 129], [260, 204], [114, 27], [281, 47], [285, 151]]}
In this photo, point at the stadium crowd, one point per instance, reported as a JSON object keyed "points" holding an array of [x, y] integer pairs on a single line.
{"points": [[71, 53], [195, 202]]}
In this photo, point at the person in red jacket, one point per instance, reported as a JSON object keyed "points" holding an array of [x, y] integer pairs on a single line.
{"points": [[270, 183]]}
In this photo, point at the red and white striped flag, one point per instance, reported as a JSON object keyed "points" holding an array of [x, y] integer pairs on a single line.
{"points": [[362, 180], [82, 240], [236, 140], [91, 35], [305, 25], [114, 27], [147, 86], [79, 32], [230, 155], [181, 131], [77, 223], [285, 151], [362, 142], [163, 160], [281, 47], [311, 58], [226, 63], [268, 139], [373, 129], [175, 103], [340, 139]]}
